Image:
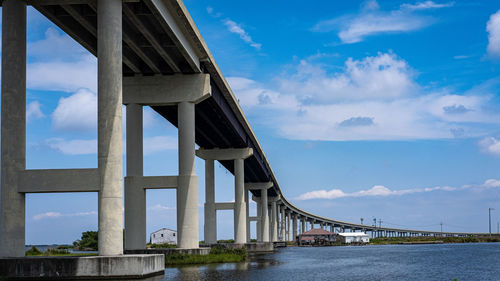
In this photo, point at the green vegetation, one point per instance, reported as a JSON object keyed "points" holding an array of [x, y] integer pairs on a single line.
{"points": [[217, 255], [160, 246], [51, 252], [226, 241], [87, 242], [428, 239]]}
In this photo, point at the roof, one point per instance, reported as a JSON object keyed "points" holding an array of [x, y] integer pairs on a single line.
{"points": [[163, 229], [355, 234], [317, 231]]}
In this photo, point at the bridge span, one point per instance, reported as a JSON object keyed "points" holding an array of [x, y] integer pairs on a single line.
{"points": [[150, 53]]}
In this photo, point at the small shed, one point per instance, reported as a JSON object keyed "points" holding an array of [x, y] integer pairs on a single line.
{"points": [[353, 237], [163, 236]]}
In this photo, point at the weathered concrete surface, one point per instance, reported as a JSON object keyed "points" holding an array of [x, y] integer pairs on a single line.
{"points": [[169, 251], [71, 268], [58, 180], [109, 126], [240, 217], [210, 226], [12, 212]]}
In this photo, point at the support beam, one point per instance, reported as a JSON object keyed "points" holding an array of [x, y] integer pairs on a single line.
{"points": [[58, 180], [260, 218], [224, 206], [294, 227], [162, 90], [153, 182], [264, 215], [282, 223], [224, 154], [240, 223], [109, 111], [274, 220], [13, 131], [187, 191], [135, 194]]}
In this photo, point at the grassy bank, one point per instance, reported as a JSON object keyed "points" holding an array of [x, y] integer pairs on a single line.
{"points": [[217, 255], [34, 252], [403, 240]]}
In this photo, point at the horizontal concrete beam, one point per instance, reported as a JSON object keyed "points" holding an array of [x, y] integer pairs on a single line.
{"points": [[58, 180], [224, 154], [258, 185], [224, 206], [166, 89], [68, 2], [152, 182], [254, 218]]}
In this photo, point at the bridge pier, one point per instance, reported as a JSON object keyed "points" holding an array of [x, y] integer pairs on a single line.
{"points": [[274, 219], [282, 225], [294, 227]]}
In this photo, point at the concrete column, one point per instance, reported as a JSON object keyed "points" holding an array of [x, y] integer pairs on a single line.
{"points": [[187, 190], [288, 232], [294, 224], [304, 227], [312, 224], [13, 159], [135, 196], [109, 132], [331, 228], [247, 214], [274, 222], [282, 223], [265, 215], [240, 225], [259, 222], [210, 223]]}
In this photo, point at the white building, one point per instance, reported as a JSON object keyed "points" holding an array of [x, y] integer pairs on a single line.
{"points": [[353, 237], [163, 236]]}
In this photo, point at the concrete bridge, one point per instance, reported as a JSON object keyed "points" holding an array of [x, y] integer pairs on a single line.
{"points": [[150, 53]]}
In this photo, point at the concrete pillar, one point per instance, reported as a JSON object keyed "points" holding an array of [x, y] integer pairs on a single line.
{"points": [[303, 228], [282, 223], [247, 215], [187, 189], [240, 225], [274, 222], [294, 224], [288, 229], [312, 224], [265, 215], [135, 196], [109, 132], [210, 223], [259, 222], [13, 159]]}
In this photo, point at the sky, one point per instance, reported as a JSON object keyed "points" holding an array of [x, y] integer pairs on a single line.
{"points": [[384, 110]]}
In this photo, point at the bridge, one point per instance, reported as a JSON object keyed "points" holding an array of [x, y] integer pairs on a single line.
{"points": [[150, 53]]}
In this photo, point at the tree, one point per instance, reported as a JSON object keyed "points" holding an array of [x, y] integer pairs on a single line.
{"points": [[88, 241]]}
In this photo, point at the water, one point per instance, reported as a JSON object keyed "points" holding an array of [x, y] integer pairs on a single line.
{"points": [[389, 262]]}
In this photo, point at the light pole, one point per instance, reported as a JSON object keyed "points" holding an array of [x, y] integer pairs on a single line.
{"points": [[489, 217], [361, 220], [441, 223]]}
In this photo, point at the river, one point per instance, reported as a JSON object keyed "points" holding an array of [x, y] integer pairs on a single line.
{"points": [[386, 262]]}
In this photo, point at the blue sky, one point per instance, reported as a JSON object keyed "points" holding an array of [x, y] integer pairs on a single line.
{"points": [[384, 110]]}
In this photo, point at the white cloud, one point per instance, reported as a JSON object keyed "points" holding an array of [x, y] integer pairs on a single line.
{"points": [[237, 29], [49, 215], [34, 111], [159, 207], [159, 143], [379, 190], [73, 147], [55, 47], [493, 29], [490, 145], [77, 112], [372, 21], [377, 94], [426, 5]]}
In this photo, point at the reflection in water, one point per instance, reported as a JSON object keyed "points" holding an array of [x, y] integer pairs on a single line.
{"points": [[391, 262]]}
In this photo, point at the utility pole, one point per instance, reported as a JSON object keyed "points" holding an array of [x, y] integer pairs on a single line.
{"points": [[489, 217], [379, 223], [375, 222], [441, 223], [361, 220]]}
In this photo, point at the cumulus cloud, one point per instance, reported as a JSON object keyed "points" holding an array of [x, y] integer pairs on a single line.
{"points": [[55, 46], [34, 111], [373, 98], [52, 215], [382, 191], [77, 112], [236, 28], [493, 29], [490, 145], [73, 147], [371, 20]]}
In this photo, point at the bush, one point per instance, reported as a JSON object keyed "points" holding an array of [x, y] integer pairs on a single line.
{"points": [[34, 251], [89, 240], [161, 246]]}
